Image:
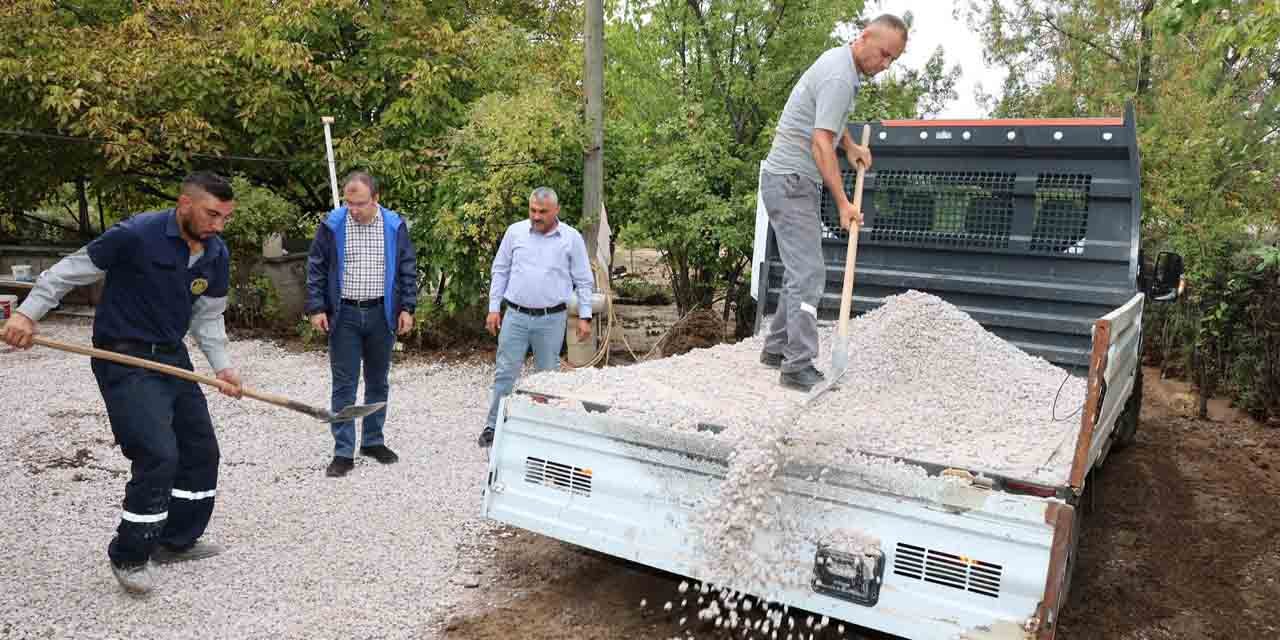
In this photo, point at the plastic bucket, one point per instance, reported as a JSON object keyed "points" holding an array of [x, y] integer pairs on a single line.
{"points": [[8, 302]]}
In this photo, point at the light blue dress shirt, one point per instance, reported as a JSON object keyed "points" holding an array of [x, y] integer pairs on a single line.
{"points": [[539, 271]]}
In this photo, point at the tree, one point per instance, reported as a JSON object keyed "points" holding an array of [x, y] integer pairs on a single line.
{"points": [[695, 87], [132, 96], [1203, 75]]}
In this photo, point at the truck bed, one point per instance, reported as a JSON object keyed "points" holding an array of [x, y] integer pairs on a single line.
{"points": [[974, 428]]}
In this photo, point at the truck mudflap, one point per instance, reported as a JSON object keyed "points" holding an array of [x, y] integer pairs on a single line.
{"points": [[950, 559]]}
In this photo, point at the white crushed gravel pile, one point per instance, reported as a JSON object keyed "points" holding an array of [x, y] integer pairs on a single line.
{"points": [[925, 382], [375, 554]]}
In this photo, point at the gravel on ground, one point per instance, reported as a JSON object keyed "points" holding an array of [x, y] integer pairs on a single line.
{"points": [[386, 552]]}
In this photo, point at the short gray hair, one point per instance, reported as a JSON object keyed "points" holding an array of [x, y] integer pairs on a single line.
{"points": [[890, 21], [363, 178], [545, 194]]}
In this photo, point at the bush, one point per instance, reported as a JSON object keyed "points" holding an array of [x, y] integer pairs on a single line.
{"points": [[253, 302], [1225, 334], [637, 290]]}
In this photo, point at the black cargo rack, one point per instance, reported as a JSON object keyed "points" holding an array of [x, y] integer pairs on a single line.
{"points": [[1030, 226]]}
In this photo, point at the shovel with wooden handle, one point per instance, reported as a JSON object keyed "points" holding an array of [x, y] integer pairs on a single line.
{"points": [[840, 346], [324, 415]]}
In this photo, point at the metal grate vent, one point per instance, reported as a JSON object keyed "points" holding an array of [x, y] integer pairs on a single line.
{"points": [[556, 475], [1062, 213], [948, 570], [958, 209]]}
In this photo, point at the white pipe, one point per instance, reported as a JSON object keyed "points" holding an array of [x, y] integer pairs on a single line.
{"points": [[333, 171]]}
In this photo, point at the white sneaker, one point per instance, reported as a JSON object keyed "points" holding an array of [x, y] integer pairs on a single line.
{"points": [[198, 551], [137, 580]]}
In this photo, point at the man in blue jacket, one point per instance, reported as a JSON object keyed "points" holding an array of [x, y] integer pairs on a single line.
{"points": [[362, 287]]}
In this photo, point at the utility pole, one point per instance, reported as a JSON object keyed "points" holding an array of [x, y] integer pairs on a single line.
{"points": [[593, 165]]}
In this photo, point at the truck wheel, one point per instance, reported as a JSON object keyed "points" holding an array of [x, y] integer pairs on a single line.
{"points": [[1127, 423]]}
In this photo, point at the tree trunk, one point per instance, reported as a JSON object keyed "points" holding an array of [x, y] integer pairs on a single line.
{"points": [[102, 216], [82, 196], [444, 279], [1202, 372], [1144, 50]]}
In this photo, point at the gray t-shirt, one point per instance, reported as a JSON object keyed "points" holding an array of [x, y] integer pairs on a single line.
{"points": [[821, 99]]}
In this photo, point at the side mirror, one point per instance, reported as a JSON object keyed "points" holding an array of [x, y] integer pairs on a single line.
{"points": [[1168, 277]]}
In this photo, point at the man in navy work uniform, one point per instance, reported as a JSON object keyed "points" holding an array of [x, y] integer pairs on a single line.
{"points": [[362, 288], [802, 159], [167, 274], [540, 261]]}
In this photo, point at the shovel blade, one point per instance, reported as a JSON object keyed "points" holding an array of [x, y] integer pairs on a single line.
{"points": [[355, 411], [839, 358]]}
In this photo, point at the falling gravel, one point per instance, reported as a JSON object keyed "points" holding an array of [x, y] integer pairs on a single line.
{"points": [[381, 553]]}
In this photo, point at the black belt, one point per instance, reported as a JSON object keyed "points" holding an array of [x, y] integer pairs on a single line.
{"points": [[133, 346], [371, 302], [535, 312]]}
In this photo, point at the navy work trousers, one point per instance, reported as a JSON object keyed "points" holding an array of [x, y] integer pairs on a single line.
{"points": [[163, 427]]}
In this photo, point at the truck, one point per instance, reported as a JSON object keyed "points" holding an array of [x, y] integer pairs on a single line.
{"points": [[1032, 227]]}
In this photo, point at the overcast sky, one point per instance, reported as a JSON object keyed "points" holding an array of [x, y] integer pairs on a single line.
{"points": [[935, 24]]}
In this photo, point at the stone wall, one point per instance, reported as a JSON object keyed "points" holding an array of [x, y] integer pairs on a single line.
{"points": [[287, 273]]}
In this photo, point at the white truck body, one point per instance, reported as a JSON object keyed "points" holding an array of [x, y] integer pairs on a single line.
{"points": [[1030, 230]]}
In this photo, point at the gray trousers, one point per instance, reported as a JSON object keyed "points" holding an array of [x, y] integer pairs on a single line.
{"points": [[792, 202]]}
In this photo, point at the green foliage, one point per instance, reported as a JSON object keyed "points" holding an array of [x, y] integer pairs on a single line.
{"points": [[253, 302], [1203, 76], [1227, 332], [429, 97], [310, 336], [260, 213], [694, 92], [509, 145]]}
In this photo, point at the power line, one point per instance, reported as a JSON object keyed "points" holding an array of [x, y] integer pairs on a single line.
{"points": [[66, 138], [243, 158]]}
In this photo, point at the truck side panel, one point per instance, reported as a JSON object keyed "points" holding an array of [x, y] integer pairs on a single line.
{"points": [[977, 561]]}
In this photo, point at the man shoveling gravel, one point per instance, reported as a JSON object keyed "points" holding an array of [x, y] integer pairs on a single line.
{"points": [[166, 273]]}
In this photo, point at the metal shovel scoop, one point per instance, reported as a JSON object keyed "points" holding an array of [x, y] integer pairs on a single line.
{"points": [[324, 415]]}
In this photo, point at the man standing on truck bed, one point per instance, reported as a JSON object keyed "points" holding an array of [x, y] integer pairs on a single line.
{"points": [[802, 159]]}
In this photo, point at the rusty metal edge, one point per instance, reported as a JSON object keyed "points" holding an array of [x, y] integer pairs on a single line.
{"points": [[1062, 517], [1092, 402]]}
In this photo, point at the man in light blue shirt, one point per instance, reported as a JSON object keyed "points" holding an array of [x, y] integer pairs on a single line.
{"points": [[539, 263]]}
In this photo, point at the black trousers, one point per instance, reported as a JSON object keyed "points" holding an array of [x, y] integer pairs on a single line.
{"points": [[163, 427]]}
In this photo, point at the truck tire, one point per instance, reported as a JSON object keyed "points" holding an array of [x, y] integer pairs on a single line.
{"points": [[1127, 423]]}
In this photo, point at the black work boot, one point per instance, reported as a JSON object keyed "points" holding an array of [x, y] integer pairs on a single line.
{"points": [[486, 438], [771, 360], [339, 467], [380, 452], [801, 379]]}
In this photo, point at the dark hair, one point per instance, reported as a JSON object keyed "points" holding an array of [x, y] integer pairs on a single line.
{"points": [[890, 21], [364, 179], [210, 183]]}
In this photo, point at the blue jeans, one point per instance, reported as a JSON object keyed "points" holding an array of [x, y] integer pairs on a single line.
{"points": [[545, 334], [360, 334]]}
